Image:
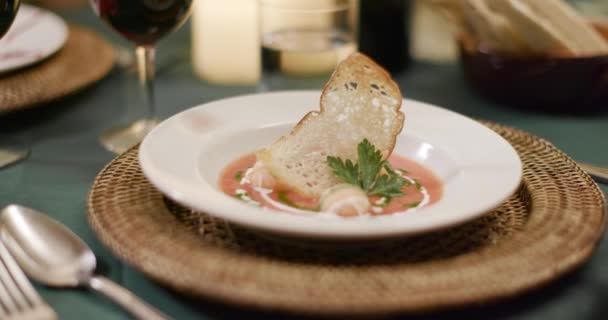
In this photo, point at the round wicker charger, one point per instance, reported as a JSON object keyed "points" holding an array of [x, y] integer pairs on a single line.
{"points": [[84, 60], [548, 228]]}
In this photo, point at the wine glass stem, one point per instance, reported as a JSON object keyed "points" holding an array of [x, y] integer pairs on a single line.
{"points": [[145, 68]]}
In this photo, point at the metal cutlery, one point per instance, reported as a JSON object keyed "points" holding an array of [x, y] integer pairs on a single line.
{"points": [[598, 173], [12, 155], [53, 255], [18, 299]]}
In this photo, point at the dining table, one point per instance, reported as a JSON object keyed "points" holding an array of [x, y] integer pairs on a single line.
{"points": [[66, 156]]}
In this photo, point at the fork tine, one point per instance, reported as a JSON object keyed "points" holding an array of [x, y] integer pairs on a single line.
{"points": [[6, 288], [20, 280], [5, 300]]}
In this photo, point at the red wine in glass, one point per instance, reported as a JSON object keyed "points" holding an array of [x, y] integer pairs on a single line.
{"points": [[8, 11], [143, 22]]}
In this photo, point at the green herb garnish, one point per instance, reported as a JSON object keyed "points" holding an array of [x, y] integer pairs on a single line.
{"points": [[366, 174], [412, 205], [238, 176], [370, 164], [345, 171], [382, 202], [388, 186], [282, 195], [418, 185], [243, 196]]}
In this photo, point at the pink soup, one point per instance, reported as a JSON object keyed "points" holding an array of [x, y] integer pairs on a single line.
{"points": [[424, 190]]}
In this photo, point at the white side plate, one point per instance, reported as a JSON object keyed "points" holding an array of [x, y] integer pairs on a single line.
{"points": [[34, 36], [184, 155]]}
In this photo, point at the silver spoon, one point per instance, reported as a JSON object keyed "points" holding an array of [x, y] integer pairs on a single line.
{"points": [[53, 255], [598, 173]]}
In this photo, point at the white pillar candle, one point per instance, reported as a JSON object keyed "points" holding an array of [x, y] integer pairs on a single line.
{"points": [[432, 36], [226, 41]]}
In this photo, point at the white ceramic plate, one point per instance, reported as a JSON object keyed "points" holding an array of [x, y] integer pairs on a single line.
{"points": [[34, 36], [184, 155]]}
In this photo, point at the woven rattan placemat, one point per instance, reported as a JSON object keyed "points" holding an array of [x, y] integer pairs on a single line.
{"points": [[549, 227], [84, 59]]}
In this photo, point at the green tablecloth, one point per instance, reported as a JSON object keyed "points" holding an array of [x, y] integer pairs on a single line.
{"points": [[66, 157]]}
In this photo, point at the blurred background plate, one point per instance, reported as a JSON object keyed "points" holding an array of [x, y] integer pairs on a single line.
{"points": [[85, 59], [35, 35]]}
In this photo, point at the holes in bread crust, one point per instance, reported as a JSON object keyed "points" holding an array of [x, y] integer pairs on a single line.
{"points": [[378, 88], [351, 86]]}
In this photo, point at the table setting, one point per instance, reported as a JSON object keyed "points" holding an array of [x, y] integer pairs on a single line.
{"points": [[279, 159]]}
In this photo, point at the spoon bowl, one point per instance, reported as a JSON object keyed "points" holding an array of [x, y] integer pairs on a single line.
{"points": [[47, 251], [55, 256]]}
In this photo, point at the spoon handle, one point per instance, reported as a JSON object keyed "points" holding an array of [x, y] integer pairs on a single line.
{"points": [[599, 173], [126, 299]]}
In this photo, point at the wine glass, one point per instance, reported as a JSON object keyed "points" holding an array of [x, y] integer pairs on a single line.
{"points": [[142, 22], [8, 11], [9, 152]]}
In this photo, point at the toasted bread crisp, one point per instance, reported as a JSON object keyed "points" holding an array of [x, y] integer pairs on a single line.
{"points": [[492, 28], [538, 33], [574, 27], [360, 101], [526, 26]]}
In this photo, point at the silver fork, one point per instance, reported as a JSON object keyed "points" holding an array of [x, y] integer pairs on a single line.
{"points": [[18, 299]]}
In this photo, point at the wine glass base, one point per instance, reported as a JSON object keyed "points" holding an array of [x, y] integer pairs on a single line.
{"points": [[121, 138], [10, 155]]}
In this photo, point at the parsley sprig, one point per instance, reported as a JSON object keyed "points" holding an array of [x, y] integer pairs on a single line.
{"points": [[367, 173]]}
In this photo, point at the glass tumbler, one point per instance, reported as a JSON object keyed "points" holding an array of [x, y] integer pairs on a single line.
{"points": [[302, 41]]}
